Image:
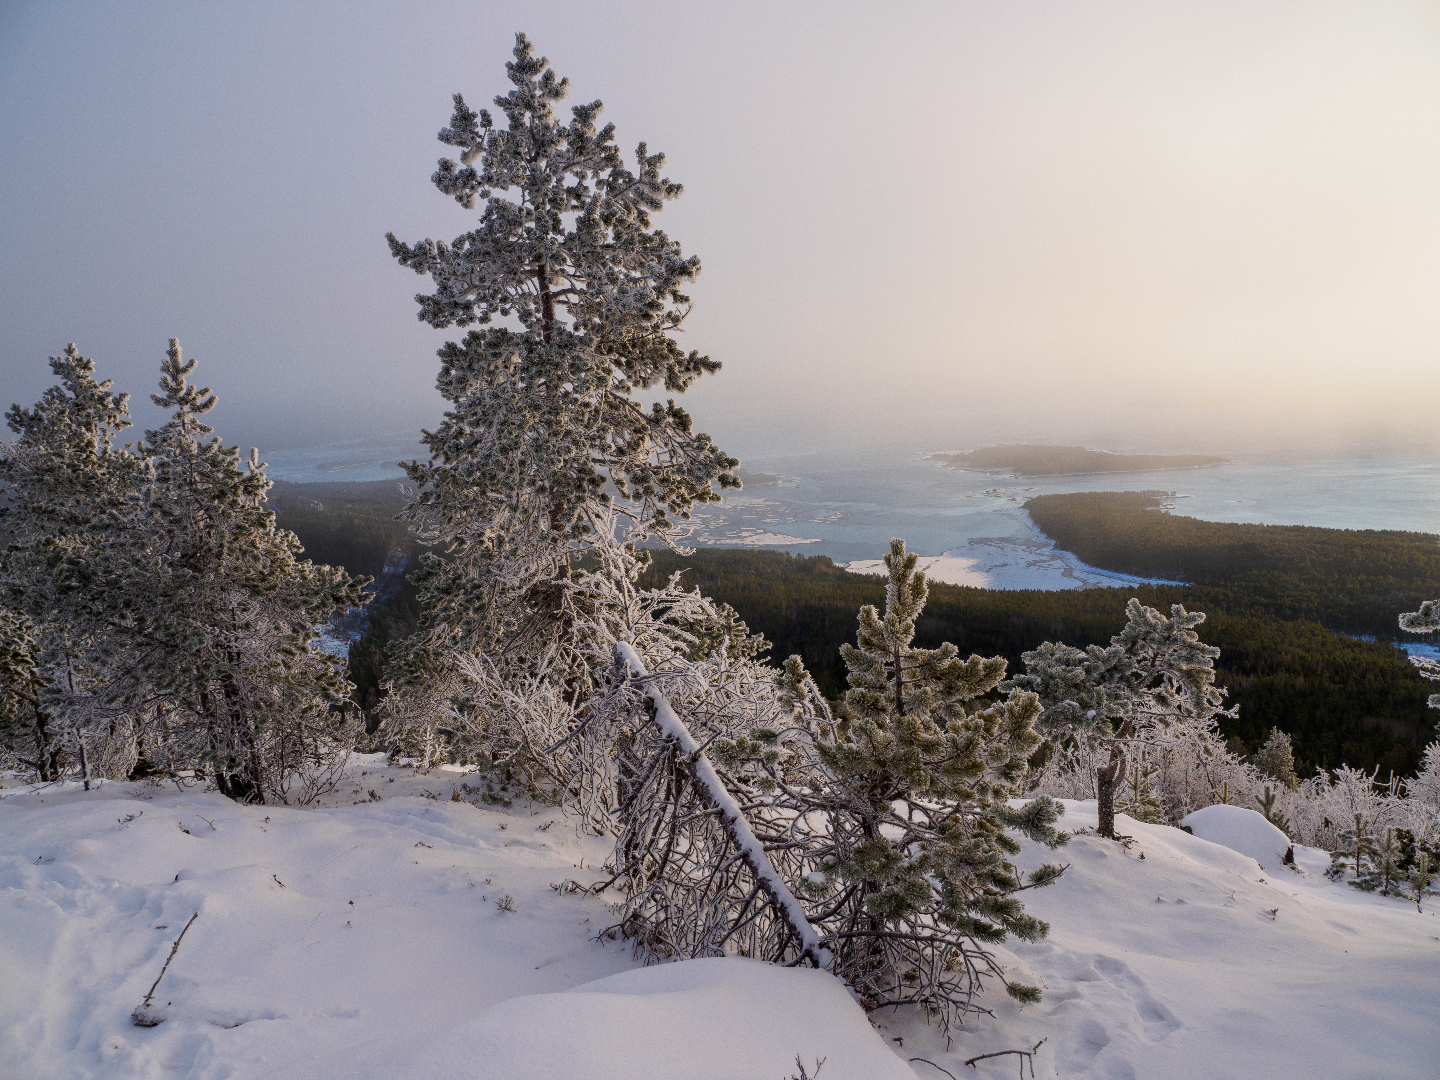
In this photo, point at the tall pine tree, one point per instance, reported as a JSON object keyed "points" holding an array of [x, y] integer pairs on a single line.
{"points": [[545, 446], [62, 476]]}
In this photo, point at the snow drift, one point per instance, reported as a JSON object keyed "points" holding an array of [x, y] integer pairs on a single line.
{"points": [[1174, 957]]}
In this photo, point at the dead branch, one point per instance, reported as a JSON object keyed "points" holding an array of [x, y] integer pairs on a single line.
{"points": [[146, 1015], [1026, 1056]]}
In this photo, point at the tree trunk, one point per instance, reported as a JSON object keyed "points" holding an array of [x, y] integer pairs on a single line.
{"points": [[547, 302], [1106, 781], [47, 751]]}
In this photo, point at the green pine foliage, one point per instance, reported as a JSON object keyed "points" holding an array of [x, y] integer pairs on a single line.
{"points": [[923, 761], [1384, 871], [1418, 878], [1356, 853], [1271, 812], [1139, 800]]}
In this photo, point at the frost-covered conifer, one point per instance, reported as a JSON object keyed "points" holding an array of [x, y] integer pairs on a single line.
{"points": [[215, 610], [544, 442], [1154, 677], [1277, 759], [1425, 621], [60, 477], [25, 728], [916, 778]]}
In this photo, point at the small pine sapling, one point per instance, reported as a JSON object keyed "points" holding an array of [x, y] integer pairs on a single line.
{"points": [[1142, 804], [1277, 759], [1272, 813], [1357, 846], [1417, 881], [920, 778], [1383, 873]]}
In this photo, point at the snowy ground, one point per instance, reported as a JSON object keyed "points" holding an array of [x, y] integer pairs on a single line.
{"points": [[363, 939]]}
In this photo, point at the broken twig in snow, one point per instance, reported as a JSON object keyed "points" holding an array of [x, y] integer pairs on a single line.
{"points": [[147, 1015], [1024, 1055]]}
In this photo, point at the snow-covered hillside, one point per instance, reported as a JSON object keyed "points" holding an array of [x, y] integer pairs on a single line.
{"points": [[372, 937]]}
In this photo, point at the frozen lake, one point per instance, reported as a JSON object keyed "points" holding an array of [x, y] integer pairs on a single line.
{"points": [[848, 505]]}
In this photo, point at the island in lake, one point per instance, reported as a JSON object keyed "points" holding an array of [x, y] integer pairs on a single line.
{"points": [[1024, 459]]}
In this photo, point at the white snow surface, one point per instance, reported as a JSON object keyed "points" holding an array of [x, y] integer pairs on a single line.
{"points": [[1242, 830], [1175, 957], [362, 939]]}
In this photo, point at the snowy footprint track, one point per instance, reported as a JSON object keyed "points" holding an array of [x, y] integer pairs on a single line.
{"points": [[352, 941], [1173, 966], [359, 941]]}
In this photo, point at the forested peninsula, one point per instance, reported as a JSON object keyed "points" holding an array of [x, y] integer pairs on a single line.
{"points": [[1285, 605]]}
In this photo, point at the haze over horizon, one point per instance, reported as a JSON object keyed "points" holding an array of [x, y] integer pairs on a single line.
{"points": [[1149, 227]]}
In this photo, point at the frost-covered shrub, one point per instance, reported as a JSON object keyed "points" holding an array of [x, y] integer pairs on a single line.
{"points": [[1090, 718]]}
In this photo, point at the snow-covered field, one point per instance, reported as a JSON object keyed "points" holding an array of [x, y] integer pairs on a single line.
{"points": [[366, 938]]}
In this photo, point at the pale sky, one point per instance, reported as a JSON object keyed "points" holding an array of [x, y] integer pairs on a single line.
{"points": [[1135, 225]]}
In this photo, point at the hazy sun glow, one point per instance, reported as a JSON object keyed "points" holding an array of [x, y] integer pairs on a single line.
{"points": [[1137, 225]]}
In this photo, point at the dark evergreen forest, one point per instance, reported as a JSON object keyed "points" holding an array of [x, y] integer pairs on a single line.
{"points": [[1284, 604]]}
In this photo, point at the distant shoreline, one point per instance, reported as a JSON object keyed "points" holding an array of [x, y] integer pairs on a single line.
{"points": [[1027, 460]]}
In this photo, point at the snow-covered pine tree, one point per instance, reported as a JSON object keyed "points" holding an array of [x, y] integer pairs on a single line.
{"points": [[917, 774], [1098, 703], [1425, 621], [60, 477], [26, 734], [1277, 759], [544, 442], [215, 612]]}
